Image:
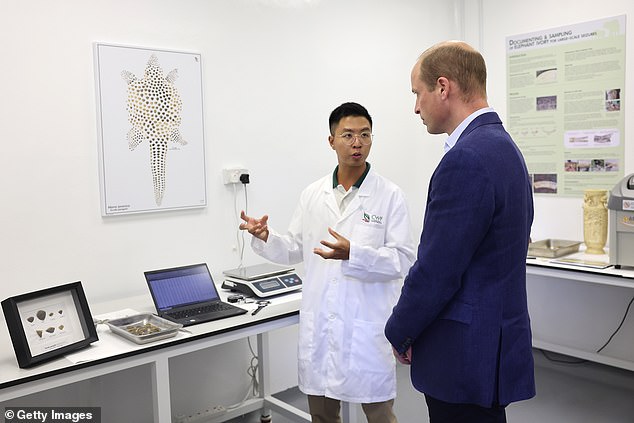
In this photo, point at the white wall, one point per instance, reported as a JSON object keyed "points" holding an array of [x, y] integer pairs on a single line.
{"points": [[554, 217], [273, 71]]}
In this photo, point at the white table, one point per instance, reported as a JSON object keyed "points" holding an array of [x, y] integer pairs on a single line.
{"points": [[574, 310], [283, 312]]}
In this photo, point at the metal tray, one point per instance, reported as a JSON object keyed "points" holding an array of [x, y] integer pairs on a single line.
{"points": [[553, 248], [143, 328]]}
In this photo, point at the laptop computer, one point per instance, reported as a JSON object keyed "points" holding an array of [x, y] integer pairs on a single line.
{"points": [[188, 295]]}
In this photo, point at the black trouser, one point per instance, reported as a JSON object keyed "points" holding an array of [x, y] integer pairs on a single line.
{"points": [[445, 412]]}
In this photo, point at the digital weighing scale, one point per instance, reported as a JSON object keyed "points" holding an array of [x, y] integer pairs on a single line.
{"points": [[262, 280]]}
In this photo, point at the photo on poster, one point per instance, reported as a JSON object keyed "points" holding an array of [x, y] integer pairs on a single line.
{"points": [[592, 138], [545, 183], [150, 125], [613, 100], [546, 76], [548, 102]]}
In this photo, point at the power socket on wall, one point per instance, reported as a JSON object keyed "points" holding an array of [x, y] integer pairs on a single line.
{"points": [[232, 175]]}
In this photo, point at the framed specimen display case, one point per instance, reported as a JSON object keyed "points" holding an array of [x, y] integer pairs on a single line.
{"points": [[49, 323]]}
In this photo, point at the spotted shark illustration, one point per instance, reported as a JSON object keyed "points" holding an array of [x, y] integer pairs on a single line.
{"points": [[154, 111]]}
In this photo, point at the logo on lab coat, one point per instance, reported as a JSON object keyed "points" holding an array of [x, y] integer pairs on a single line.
{"points": [[372, 218]]}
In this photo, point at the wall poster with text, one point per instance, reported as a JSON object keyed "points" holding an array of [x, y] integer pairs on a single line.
{"points": [[566, 92], [150, 123]]}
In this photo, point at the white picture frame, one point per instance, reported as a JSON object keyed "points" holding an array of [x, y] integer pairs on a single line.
{"points": [[150, 129]]}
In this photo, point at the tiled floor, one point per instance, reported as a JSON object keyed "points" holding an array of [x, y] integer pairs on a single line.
{"points": [[566, 393]]}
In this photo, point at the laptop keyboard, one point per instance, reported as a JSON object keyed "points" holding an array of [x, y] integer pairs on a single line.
{"points": [[210, 308]]}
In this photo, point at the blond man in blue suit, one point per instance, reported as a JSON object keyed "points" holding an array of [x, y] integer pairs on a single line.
{"points": [[462, 319]]}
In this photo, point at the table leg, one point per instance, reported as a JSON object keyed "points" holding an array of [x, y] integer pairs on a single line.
{"points": [[161, 391]]}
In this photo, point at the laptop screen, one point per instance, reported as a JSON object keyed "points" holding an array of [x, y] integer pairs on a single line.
{"points": [[181, 286]]}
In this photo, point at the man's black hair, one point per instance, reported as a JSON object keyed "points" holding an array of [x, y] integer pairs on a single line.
{"points": [[345, 110]]}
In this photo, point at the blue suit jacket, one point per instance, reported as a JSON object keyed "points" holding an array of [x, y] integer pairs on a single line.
{"points": [[463, 306]]}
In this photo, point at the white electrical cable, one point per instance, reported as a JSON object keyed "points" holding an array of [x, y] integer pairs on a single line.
{"points": [[252, 371], [246, 211], [236, 215]]}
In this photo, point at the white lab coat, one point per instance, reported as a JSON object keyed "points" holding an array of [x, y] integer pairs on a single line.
{"points": [[342, 351]]}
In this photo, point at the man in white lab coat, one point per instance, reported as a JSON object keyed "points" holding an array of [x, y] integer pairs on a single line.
{"points": [[351, 229]]}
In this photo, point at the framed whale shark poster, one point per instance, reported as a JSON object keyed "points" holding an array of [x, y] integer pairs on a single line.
{"points": [[150, 127]]}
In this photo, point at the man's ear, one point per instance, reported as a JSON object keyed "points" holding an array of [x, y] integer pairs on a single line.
{"points": [[331, 141], [443, 86]]}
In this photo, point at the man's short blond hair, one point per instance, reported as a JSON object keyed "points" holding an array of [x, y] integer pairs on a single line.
{"points": [[458, 62]]}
